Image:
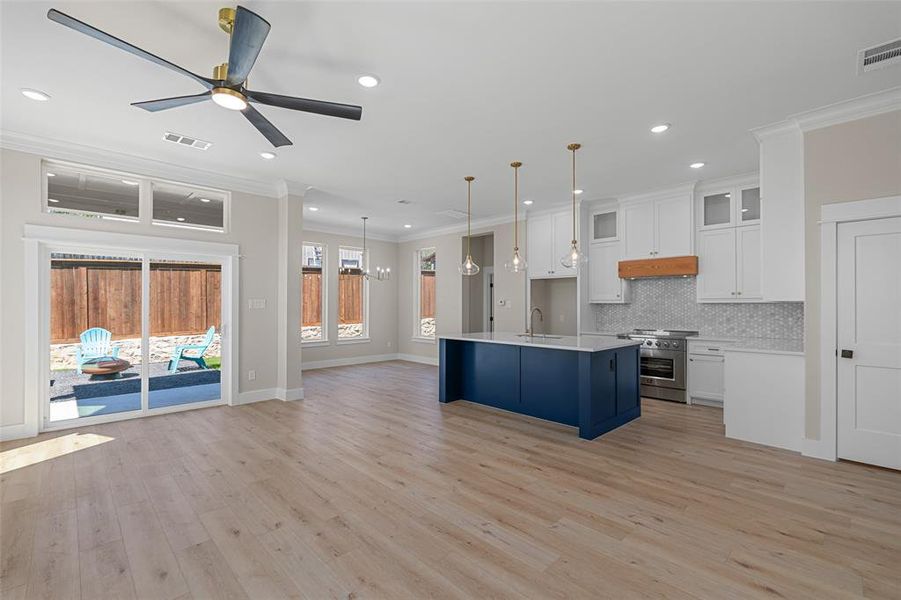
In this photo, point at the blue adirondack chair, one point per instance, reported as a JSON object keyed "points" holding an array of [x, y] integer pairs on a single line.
{"points": [[179, 352], [96, 342]]}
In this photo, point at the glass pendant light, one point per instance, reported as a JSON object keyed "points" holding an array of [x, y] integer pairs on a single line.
{"points": [[469, 266], [573, 257], [517, 263]]}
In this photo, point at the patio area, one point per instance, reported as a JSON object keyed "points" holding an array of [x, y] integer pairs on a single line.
{"points": [[74, 394]]}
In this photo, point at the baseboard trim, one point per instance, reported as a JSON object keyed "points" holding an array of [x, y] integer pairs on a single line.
{"points": [[291, 394], [820, 449], [344, 362], [256, 396], [17, 432], [362, 360], [424, 360]]}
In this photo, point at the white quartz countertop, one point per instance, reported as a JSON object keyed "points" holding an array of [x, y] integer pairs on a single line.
{"points": [[765, 345], [580, 343]]}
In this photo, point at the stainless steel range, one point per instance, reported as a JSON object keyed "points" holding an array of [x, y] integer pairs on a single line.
{"points": [[663, 362]]}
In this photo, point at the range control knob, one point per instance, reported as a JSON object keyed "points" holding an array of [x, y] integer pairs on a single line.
{"points": [[675, 344], [657, 344], [648, 342], [666, 344]]}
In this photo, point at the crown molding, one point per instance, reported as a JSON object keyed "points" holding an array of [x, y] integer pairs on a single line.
{"points": [[861, 107], [99, 157], [353, 232], [478, 226], [731, 181], [668, 192], [285, 187]]}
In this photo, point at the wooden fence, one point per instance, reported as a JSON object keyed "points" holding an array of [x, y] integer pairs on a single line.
{"points": [[350, 297], [85, 293]]}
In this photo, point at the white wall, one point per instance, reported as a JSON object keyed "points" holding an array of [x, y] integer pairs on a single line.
{"points": [[858, 160], [254, 225], [382, 302], [510, 287]]}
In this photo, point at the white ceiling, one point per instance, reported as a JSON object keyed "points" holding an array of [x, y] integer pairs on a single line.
{"points": [[466, 88]]}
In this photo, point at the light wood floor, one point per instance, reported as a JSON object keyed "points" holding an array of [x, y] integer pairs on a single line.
{"points": [[370, 489]]}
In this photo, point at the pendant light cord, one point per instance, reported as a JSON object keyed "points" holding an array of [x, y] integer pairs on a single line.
{"points": [[573, 147], [469, 179], [516, 206]]}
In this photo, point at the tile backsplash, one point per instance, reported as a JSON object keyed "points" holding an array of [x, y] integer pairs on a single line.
{"points": [[671, 303]]}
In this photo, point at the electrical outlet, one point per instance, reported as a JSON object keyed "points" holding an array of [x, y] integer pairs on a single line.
{"points": [[251, 375]]}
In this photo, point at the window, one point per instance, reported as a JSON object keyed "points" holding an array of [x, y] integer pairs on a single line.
{"points": [[87, 193], [100, 194], [175, 204], [424, 327], [313, 286], [352, 295]]}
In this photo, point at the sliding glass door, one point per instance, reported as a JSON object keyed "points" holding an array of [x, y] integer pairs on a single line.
{"points": [[132, 334]]}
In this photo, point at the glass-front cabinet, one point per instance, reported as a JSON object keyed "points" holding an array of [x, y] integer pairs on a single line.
{"points": [[604, 226], [729, 207]]}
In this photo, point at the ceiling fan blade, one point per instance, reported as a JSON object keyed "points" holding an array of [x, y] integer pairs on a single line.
{"points": [[167, 103], [248, 34], [320, 107], [80, 26], [275, 137]]}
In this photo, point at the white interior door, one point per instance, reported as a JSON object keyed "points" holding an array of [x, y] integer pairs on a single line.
{"points": [[869, 342]]}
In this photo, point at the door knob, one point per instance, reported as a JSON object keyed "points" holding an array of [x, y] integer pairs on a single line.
{"points": [[847, 353]]}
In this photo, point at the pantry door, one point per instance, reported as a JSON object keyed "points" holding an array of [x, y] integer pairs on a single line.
{"points": [[869, 342]]}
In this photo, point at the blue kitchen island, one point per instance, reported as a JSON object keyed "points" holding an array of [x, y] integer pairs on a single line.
{"points": [[588, 382]]}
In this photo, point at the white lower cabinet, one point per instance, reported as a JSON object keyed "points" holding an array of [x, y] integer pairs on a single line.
{"points": [[706, 374], [604, 283]]}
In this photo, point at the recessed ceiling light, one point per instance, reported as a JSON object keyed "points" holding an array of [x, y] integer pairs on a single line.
{"points": [[408, 226], [527, 202], [660, 128], [130, 182], [696, 165], [728, 195], [577, 192], [204, 199], [368, 81], [54, 200], [51, 174], [745, 209], [314, 208], [268, 155], [179, 219], [32, 94]]}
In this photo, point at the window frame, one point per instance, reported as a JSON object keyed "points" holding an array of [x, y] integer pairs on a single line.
{"points": [[145, 197], [323, 297], [364, 335], [417, 297]]}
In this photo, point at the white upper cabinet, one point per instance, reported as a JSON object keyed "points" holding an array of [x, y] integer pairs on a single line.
{"points": [[716, 264], [782, 212], [747, 277], [548, 239], [658, 226], [638, 224], [604, 226], [672, 222], [604, 284], [729, 206]]}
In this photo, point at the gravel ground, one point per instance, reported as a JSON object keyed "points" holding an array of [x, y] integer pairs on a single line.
{"points": [[68, 385]]}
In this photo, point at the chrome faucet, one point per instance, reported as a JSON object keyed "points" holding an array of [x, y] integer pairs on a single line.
{"points": [[532, 320]]}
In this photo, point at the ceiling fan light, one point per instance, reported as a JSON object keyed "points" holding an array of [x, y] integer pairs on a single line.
{"points": [[368, 81], [229, 98]]}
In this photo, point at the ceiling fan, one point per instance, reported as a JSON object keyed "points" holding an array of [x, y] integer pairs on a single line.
{"points": [[226, 88]]}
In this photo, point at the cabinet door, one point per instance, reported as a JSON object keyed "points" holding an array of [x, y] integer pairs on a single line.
{"points": [[706, 377], [716, 264], [673, 226], [716, 210], [539, 246], [563, 235], [638, 225], [748, 206], [604, 284], [749, 260], [604, 226]]}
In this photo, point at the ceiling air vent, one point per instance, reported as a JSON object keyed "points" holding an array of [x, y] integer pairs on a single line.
{"points": [[177, 138], [878, 57], [453, 213]]}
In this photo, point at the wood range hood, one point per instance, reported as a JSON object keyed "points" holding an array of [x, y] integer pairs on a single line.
{"points": [[674, 266]]}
